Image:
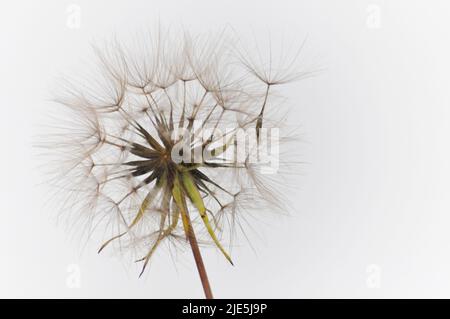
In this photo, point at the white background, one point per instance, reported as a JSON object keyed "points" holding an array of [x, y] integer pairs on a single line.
{"points": [[372, 207]]}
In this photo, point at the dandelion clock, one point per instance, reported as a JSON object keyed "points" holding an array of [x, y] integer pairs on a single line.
{"points": [[171, 139]]}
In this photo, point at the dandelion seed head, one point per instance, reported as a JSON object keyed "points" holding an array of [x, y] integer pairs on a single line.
{"points": [[113, 145]]}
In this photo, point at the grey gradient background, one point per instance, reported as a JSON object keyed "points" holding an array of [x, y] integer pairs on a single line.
{"points": [[373, 203]]}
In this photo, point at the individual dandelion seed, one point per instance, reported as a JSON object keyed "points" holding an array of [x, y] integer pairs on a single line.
{"points": [[151, 147]]}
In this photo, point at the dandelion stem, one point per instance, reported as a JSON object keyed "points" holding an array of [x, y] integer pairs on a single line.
{"points": [[198, 258], [180, 200]]}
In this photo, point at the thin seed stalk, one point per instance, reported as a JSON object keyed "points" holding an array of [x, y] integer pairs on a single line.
{"points": [[180, 200], [198, 257]]}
